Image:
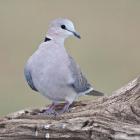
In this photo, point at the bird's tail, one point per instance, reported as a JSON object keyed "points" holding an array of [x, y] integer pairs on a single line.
{"points": [[95, 93]]}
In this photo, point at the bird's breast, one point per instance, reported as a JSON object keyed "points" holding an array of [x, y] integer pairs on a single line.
{"points": [[50, 69]]}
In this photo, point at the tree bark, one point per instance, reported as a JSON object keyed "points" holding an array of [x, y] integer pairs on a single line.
{"points": [[116, 117]]}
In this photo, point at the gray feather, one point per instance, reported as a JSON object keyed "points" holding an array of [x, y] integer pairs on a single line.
{"points": [[80, 83], [29, 79], [95, 93]]}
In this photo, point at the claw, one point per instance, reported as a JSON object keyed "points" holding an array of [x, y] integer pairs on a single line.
{"points": [[50, 110], [65, 108]]}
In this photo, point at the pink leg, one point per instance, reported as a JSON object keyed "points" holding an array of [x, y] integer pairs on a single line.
{"points": [[65, 108], [51, 109]]}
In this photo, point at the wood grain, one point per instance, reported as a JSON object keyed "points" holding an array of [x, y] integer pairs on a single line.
{"points": [[116, 117]]}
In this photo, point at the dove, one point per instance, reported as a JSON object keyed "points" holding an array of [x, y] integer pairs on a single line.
{"points": [[52, 72]]}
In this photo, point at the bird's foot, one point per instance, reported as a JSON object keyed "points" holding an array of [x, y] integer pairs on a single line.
{"points": [[65, 108], [50, 110]]}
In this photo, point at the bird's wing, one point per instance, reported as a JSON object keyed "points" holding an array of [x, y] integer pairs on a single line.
{"points": [[28, 77], [80, 84]]}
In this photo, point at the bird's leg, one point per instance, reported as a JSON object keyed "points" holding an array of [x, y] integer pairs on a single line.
{"points": [[65, 108], [50, 110]]}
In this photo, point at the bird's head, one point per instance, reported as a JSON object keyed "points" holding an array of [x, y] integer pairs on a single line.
{"points": [[62, 28]]}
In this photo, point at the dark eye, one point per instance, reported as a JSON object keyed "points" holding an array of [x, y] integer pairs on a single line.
{"points": [[63, 26]]}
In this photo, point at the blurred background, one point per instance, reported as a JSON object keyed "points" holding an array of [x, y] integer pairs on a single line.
{"points": [[108, 53]]}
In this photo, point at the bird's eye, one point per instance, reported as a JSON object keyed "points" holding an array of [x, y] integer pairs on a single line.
{"points": [[63, 26]]}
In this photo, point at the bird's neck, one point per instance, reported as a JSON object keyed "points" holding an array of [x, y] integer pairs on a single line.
{"points": [[56, 38]]}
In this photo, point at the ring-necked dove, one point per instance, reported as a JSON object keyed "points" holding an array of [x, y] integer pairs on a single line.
{"points": [[52, 72]]}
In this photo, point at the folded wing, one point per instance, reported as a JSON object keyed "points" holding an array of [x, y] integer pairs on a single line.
{"points": [[80, 84], [28, 77]]}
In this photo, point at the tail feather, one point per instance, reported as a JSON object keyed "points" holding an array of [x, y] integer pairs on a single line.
{"points": [[95, 93]]}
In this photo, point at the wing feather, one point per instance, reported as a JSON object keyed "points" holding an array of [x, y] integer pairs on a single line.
{"points": [[29, 79], [80, 83]]}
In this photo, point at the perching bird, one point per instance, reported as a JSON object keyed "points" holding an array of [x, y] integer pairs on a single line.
{"points": [[52, 72]]}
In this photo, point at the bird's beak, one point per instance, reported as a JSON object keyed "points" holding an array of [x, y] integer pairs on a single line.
{"points": [[76, 35]]}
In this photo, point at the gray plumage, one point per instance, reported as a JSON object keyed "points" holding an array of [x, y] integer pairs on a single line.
{"points": [[29, 80], [52, 72], [80, 83]]}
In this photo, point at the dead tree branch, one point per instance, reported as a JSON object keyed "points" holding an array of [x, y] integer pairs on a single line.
{"points": [[107, 118]]}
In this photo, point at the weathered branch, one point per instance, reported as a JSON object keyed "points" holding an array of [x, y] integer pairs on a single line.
{"points": [[115, 117]]}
